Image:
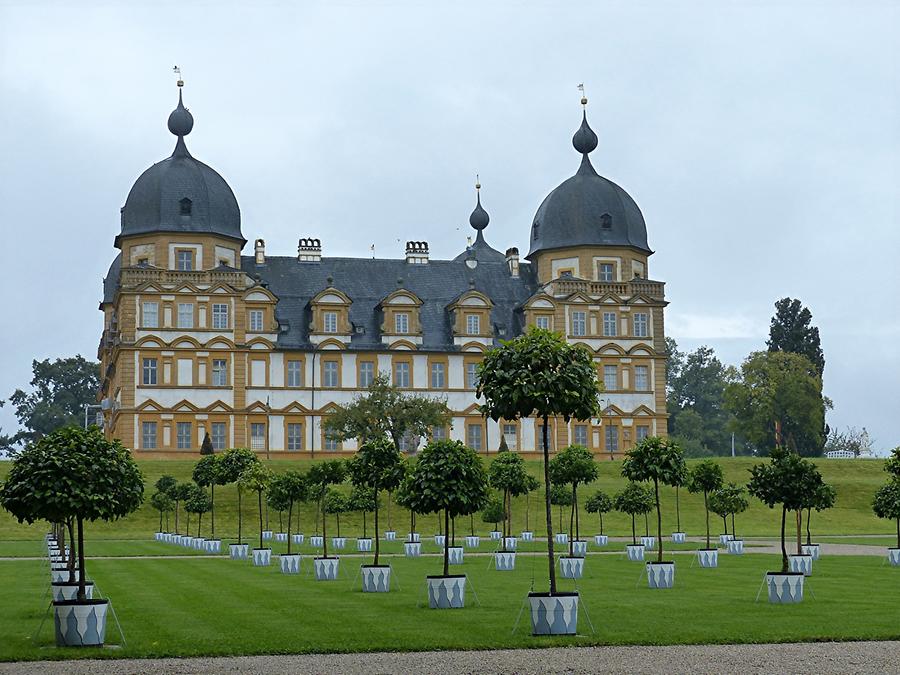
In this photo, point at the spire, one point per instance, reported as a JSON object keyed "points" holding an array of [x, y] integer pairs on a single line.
{"points": [[180, 122], [479, 218], [584, 140]]}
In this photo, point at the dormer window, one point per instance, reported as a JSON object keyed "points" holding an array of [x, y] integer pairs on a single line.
{"points": [[185, 206], [184, 259], [536, 229], [606, 221]]}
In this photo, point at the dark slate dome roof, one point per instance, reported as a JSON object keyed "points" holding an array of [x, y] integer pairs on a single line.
{"points": [[587, 209], [181, 194]]}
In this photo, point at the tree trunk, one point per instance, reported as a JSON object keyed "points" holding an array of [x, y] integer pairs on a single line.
{"points": [[160, 522], [377, 550], [733, 533], [259, 493], [633, 532], [388, 509], [187, 527], [527, 508], [338, 517], [199, 522], [547, 512], [659, 557], [601, 523], [706, 508], [82, 574], [290, 518], [212, 510], [267, 515], [799, 533], [364, 525], [167, 521], [280, 522], [472, 523], [725, 523], [677, 510], [784, 556], [898, 532], [577, 525], [176, 516], [73, 550], [324, 536], [240, 517], [453, 531], [446, 544], [572, 524], [808, 535], [646, 524]]}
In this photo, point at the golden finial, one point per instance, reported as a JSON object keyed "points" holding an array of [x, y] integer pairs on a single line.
{"points": [[177, 71], [583, 97], [477, 183]]}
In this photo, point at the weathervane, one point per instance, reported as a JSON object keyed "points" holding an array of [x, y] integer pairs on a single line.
{"points": [[177, 71], [583, 97]]}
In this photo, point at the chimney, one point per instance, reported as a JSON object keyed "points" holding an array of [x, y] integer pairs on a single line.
{"points": [[260, 250], [512, 261], [417, 252], [309, 250]]}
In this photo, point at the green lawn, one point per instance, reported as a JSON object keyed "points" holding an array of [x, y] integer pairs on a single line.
{"points": [[187, 606]]}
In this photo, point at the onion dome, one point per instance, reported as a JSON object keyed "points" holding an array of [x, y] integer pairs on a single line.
{"points": [[181, 194], [587, 209], [480, 250]]}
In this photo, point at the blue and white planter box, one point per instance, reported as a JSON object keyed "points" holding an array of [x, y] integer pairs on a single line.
{"points": [[708, 557], [786, 588], [811, 550], [326, 568], [267, 535], [262, 557], [473, 542], [579, 548], [290, 564], [439, 540], [725, 538], [571, 568], [376, 579], [510, 543], [660, 575], [561, 538], [297, 539], [679, 537], [63, 590], [414, 536], [496, 535], [364, 544], [339, 543], [635, 552], [281, 536], [801, 563], [158, 536], [649, 543], [80, 623], [894, 557], [601, 540], [412, 549], [455, 555], [446, 592], [199, 543], [316, 541], [505, 561], [390, 535], [735, 547], [63, 575], [213, 546], [527, 536], [553, 614], [238, 551]]}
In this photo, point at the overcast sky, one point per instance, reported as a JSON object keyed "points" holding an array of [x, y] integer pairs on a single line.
{"points": [[760, 140]]}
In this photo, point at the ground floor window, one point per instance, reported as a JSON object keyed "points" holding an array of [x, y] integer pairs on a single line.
{"points": [[581, 434], [295, 436], [183, 435], [474, 436], [148, 435], [612, 438], [217, 435], [258, 436], [511, 436]]}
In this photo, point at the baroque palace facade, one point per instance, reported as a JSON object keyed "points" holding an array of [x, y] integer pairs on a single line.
{"points": [[257, 350]]}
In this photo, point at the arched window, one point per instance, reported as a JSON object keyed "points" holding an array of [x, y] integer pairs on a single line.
{"points": [[185, 206]]}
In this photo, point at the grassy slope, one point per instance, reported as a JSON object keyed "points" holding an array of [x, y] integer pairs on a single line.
{"points": [[856, 482]]}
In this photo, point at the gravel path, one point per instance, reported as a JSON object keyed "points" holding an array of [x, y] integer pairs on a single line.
{"points": [[818, 658]]}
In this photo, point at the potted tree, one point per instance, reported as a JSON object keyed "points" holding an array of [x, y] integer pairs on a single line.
{"points": [[540, 374], [785, 481], [660, 461], [256, 478], [162, 503], [531, 484], [679, 536], [74, 474], [278, 501], [729, 500], [362, 499], [198, 502], [887, 505], [448, 478], [706, 477], [180, 493], [232, 464], [164, 485], [493, 512], [335, 504], [290, 488], [508, 475], [321, 476], [376, 466], [412, 547], [573, 466], [599, 503], [821, 499], [207, 474], [392, 483], [561, 496], [634, 500]]}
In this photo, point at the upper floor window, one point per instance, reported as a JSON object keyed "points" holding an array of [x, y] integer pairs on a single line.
{"points": [[220, 373], [185, 314], [256, 320], [329, 321], [366, 374], [471, 376], [148, 435], [295, 373], [642, 378], [185, 205], [184, 260], [217, 435], [149, 371], [579, 323], [473, 324], [610, 378], [606, 221], [183, 435], [401, 374], [220, 316], [438, 375], [605, 272], [609, 324], [640, 325], [401, 322], [330, 374], [150, 314]]}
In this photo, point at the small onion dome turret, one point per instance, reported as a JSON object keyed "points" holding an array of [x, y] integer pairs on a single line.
{"points": [[480, 250]]}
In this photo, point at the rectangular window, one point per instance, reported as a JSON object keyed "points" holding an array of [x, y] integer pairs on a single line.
{"points": [[331, 443], [473, 324], [512, 438], [642, 432], [295, 373], [438, 433], [438, 375], [330, 374], [471, 376], [401, 374], [220, 316], [581, 434], [258, 436], [642, 378], [329, 321], [294, 436], [640, 325], [150, 314], [610, 378], [609, 324], [605, 271], [579, 323], [219, 373], [183, 435], [612, 438], [149, 371], [474, 436], [542, 322], [401, 323], [551, 442], [256, 321], [148, 435], [184, 260], [366, 374], [185, 314], [409, 443], [217, 435]]}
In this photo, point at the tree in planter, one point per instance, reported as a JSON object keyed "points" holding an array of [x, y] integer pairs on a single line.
{"points": [[706, 477], [678, 487], [719, 504], [737, 503], [335, 504], [507, 473], [635, 500], [73, 474], [786, 480], [560, 496], [821, 499], [180, 494], [278, 500], [886, 504], [376, 466], [362, 499], [531, 484], [198, 502], [166, 484], [208, 473], [599, 503], [493, 511], [539, 374], [448, 477], [391, 484], [292, 487], [573, 466], [233, 463], [256, 478], [320, 476], [162, 503], [658, 460]]}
